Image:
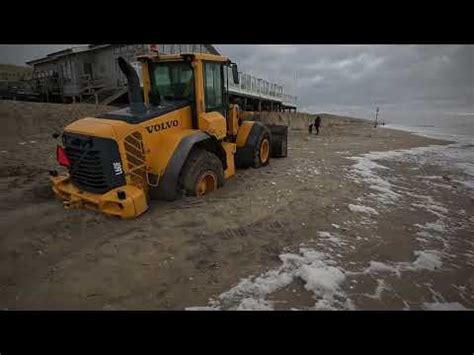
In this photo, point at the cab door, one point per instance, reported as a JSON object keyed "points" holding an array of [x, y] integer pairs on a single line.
{"points": [[214, 88], [212, 119]]}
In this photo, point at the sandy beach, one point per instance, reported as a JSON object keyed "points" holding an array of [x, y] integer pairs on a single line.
{"points": [[355, 218]]}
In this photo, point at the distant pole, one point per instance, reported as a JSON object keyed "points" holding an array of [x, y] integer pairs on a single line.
{"points": [[296, 83], [376, 117]]}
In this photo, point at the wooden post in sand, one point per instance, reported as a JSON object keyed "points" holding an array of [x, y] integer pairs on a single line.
{"points": [[376, 117]]}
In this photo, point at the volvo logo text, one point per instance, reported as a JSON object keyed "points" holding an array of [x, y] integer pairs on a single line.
{"points": [[162, 126]]}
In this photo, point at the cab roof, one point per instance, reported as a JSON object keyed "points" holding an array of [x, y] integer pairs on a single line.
{"points": [[181, 56]]}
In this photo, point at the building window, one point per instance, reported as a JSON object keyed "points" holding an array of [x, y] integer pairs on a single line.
{"points": [[88, 69]]}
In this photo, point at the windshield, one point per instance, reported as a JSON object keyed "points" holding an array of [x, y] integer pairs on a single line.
{"points": [[173, 81]]}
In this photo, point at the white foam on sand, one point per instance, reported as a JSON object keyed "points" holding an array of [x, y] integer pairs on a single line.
{"points": [[457, 156], [386, 192], [425, 237], [467, 167], [366, 169], [431, 177], [467, 183], [425, 260], [363, 209], [447, 306], [331, 238], [437, 226], [201, 308], [438, 229], [323, 281], [381, 286], [426, 198], [437, 210], [251, 304], [380, 267], [325, 234], [315, 269], [453, 157]]}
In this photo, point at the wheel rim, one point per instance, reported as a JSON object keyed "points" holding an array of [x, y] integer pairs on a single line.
{"points": [[206, 184], [264, 150]]}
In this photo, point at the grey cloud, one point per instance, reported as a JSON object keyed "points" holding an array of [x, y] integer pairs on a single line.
{"points": [[357, 77], [19, 54]]}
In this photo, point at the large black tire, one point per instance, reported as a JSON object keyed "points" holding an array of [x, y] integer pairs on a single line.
{"points": [[200, 164], [257, 153]]}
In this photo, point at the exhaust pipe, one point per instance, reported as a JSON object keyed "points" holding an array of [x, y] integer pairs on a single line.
{"points": [[134, 90]]}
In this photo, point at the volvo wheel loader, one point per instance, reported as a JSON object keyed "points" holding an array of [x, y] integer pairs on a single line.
{"points": [[179, 136]]}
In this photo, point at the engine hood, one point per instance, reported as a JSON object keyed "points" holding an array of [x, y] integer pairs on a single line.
{"points": [[128, 116], [94, 127]]}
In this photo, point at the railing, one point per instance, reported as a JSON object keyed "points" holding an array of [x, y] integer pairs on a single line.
{"points": [[87, 81], [89, 85], [289, 100], [260, 88]]}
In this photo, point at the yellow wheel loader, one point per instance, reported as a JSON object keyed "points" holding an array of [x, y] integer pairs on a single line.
{"points": [[179, 136]]}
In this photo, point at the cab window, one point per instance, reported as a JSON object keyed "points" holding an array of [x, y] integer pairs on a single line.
{"points": [[173, 81], [213, 87]]}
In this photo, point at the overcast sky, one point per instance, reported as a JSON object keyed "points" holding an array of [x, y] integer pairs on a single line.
{"points": [[356, 78], [347, 78], [19, 54]]}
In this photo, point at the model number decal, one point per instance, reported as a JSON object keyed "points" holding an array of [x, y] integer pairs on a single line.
{"points": [[117, 168], [162, 126]]}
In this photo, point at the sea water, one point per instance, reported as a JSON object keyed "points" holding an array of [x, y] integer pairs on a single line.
{"points": [[457, 127]]}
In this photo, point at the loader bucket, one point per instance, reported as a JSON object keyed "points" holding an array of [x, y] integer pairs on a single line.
{"points": [[279, 140]]}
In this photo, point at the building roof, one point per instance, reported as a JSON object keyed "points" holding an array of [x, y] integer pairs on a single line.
{"points": [[212, 49], [58, 54], [90, 47]]}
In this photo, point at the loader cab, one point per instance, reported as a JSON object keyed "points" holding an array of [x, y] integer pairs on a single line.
{"points": [[188, 79]]}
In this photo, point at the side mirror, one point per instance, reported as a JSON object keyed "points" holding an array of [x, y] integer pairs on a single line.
{"points": [[235, 74]]}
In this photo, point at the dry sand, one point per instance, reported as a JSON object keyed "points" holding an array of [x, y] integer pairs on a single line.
{"points": [[308, 231]]}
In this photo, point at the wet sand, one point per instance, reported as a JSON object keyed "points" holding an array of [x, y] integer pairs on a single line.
{"points": [[309, 231]]}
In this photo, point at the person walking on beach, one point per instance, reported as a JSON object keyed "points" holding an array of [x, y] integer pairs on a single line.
{"points": [[317, 124]]}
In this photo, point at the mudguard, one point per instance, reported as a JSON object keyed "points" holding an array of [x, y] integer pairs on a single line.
{"points": [[245, 154], [167, 188]]}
